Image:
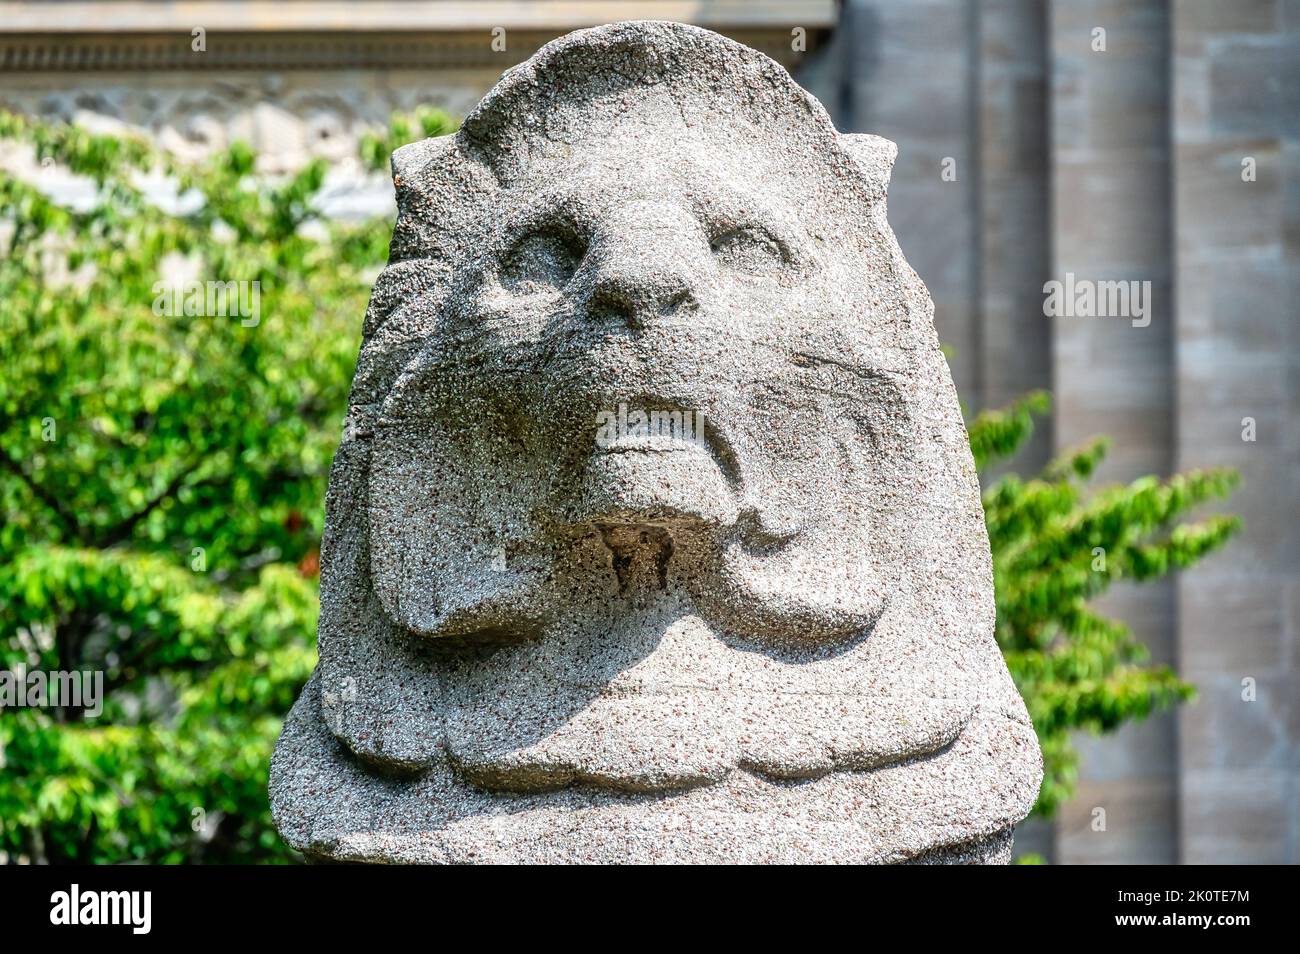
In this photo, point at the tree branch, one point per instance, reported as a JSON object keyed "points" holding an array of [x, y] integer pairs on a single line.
{"points": [[69, 521], [120, 531]]}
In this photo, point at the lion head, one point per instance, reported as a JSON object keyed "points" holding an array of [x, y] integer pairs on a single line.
{"points": [[654, 532]]}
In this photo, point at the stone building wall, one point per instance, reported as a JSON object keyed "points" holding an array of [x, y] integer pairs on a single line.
{"points": [[1235, 96], [1126, 164]]}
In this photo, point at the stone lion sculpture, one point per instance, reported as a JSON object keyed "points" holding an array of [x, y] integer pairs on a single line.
{"points": [[654, 534]]}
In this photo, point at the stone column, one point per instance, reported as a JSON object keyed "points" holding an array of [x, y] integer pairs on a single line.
{"points": [[1111, 221], [1014, 339], [907, 72], [1236, 166]]}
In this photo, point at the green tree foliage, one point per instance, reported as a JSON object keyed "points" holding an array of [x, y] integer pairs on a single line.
{"points": [[1055, 547], [161, 489], [161, 482]]}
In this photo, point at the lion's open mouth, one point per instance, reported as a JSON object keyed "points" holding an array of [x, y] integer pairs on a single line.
{"points": [[655, 426]]}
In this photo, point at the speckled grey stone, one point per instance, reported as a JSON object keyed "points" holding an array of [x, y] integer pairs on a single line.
{"points": [[654, 534]]}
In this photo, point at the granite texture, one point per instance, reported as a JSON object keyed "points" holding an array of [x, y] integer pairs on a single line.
{"points": [[654, 534]]}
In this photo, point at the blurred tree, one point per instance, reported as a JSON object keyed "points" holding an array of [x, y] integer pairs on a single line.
{"points": [[1054, 549], [162, 478], [161, 482]]}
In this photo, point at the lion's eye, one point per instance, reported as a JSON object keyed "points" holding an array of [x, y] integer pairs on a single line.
{"points": [[541, 261], [749, 250]]}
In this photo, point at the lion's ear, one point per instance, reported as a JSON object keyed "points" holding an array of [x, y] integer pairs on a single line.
{"points": [[443, 202], [417, 167], [874, 156]]}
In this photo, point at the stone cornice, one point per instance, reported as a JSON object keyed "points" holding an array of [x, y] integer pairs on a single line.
{"points": [[304, 34], [226, 51], [351, 16]]}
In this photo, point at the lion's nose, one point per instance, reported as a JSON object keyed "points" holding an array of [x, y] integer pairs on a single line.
{"points": [[646, 267]]}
